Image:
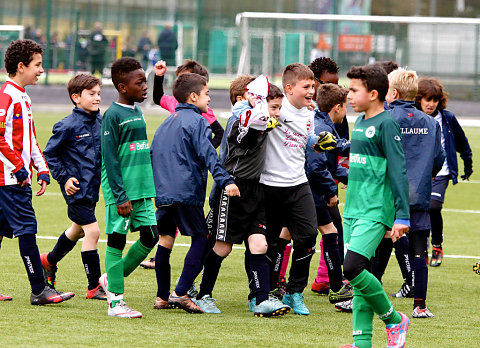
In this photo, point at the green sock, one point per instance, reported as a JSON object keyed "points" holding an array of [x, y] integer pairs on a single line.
{"points": [[362, 319], [136, 254], [372, 292], [114, 268]]}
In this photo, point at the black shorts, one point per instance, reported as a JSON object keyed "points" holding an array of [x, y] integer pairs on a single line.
{"points": [[439, 186], [234, 219], [419, 220], [82, 212], [290, 207], [189, 219], [323, 215], [17, 216]]}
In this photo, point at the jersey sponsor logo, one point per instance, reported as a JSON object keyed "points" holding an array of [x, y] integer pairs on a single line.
{"points": [[138, 146], [358, 130], [3, 125], [83, 135], [132, 120], [419, 131], [370, 132], [356, 158]]}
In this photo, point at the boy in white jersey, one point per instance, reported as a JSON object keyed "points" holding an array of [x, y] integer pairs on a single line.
{"points": [[289, 201], [19, 153]]}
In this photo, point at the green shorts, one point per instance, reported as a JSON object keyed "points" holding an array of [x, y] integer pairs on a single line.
{"points": [[363, 236], [143, 214]]}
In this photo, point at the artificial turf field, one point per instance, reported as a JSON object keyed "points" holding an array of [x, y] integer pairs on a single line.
{"points": [[452, 295]]}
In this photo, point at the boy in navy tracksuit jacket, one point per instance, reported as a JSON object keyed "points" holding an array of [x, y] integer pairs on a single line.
{"points": [[432, 99], [74, 157], [181, 155], [321, 168], [421, 141]]}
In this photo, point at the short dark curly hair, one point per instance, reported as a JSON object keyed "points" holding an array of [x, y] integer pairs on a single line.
{"points": [[387, 65], [20, 51], [319, 65], [373, 77], [122, 67]]}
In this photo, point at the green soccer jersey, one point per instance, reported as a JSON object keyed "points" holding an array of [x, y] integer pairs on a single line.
{"points": [[126, 165], [377, 181]]}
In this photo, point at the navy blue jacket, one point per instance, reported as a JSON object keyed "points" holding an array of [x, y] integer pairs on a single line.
{"points": [[182, 153], [422, 145], [320, 178], [455, 141], [74, 151]]}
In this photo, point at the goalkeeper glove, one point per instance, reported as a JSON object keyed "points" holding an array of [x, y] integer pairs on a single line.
{"points": [[272, 123], [467, 168], [326, 142]]}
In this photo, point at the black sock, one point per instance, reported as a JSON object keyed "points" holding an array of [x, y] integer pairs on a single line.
{"points": [[301, 257], [275, 259], [382, 256], [192, 265], [212, 265], [247, 271], [402, 247], [260, 277], [332, 260], [91, 263], [162, 270], [31, 258], [420, 278], [62, 248]]}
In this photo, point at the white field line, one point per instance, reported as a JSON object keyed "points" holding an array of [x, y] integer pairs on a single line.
{"points": [[243, 248]]}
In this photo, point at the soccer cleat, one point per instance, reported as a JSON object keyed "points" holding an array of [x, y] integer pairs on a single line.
{"points": [[321, 288], [183, 302], [271, 308], [397, 333], [161, 304], [148, 264], [49, 270], [345, 306], [296, 302], [5, 298], [49, 295], [476, 268], [437, 256], [424, 312], [344, 294], [96, 294], [104, 284], [251, 304], [405, 291], [120, 309], [192, 292], [278, 293], [207, 305]]}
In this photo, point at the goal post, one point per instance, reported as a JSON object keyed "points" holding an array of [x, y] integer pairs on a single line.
{"points": [[439, 46]]}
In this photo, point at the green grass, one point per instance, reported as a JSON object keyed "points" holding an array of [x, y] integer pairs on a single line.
{"points": [[452, 296]]}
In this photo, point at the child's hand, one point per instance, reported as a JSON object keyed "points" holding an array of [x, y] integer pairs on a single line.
{"points": [[232, 190], [333, 201], [160, 68], [398, 230], [70, 187], [43, 187], [124, 209]]}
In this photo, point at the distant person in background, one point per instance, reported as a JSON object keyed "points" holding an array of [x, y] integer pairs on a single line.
{"points": [[98, 46], [167, 45], [143, 49]]}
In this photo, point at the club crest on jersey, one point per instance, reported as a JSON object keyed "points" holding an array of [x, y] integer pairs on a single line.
{"points": [[370, 132], [17, 117]]}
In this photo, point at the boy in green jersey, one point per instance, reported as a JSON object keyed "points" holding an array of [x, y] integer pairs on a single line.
{"points": [[127, 183], [377, 194]]}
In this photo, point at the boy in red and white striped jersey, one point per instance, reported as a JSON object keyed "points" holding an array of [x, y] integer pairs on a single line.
{"points": [[19, 154]]}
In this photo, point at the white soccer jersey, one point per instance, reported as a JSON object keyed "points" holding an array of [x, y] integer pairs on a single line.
{"points": [[18, 143], [285, 155]]}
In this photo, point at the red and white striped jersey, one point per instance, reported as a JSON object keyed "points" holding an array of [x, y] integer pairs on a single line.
{"points": [[18, 142]]}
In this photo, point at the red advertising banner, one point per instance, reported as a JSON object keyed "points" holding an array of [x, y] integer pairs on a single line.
{"points": [[355, 43]]}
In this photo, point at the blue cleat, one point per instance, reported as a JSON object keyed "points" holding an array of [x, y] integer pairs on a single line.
{"points": [[271, 308], [251, 304], [207, 305], [296, 302]]}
